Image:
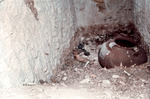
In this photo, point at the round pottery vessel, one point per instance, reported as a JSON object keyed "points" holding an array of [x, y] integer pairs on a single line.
{"points": [[121, 51]]}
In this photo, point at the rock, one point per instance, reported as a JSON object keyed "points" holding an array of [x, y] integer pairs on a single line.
{"points": [[121, 82], [41, 81], [62, 72], [64, 78], [65, 74], [80, 46], [82, 38], [96, 37], [115, 76], [76, 69], [40, 90], [88, 39], [106, 82]]}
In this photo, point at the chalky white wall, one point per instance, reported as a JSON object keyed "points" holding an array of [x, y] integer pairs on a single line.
{"points": [[116, 11], [141, 14], [30, 48]]}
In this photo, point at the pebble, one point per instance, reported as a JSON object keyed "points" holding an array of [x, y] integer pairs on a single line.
{"points": [[76, 69], [82, 38], [115, 76], [65, 74], [40, 90], [143, 80], [106, 81], [121, 82], [88, 39], [64, 78], [62, 72], [96, 37]]}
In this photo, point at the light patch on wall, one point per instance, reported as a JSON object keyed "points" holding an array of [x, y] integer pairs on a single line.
{"points": [[30, 4]]}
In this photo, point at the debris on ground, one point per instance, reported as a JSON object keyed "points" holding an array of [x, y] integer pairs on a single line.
{"points": [[116, 83]]}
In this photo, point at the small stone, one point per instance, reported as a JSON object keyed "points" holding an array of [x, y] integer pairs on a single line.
{"points": [[82, 38], [76, 69], [88, 39], [143, 80], [62, 72], [121, 82], [96, 37], [115, 76], [99, 84], [53, 84], [64, 78], [142, 96], [106, 81], [63, 84], [41, 81], [40, 90], [80, 46], [142, 85], [86, 53]]}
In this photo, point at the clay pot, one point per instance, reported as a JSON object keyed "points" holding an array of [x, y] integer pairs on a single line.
{"points": [[121, 51]]}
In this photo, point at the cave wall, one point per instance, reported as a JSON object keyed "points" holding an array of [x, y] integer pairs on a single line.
{"points": [[34, 33], [93, 12], [141, 13]]}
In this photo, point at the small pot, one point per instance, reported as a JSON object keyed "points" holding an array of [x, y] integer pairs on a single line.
{"points": [[121, 51]]}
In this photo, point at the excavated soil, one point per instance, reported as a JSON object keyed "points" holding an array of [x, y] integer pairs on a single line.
{"points": [[83, 70]]}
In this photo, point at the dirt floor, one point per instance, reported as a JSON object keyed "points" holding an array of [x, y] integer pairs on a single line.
{"points": [[83, 78], [83, 70], [88, 83]]}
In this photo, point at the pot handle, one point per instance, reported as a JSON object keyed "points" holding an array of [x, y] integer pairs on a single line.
{"points": [[110, 45]]}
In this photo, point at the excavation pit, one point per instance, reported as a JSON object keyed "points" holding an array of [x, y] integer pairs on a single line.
{"points": [[49, 44], [85, 71]]}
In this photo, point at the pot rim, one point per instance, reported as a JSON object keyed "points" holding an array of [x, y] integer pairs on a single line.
{"points": [[127, 39]]}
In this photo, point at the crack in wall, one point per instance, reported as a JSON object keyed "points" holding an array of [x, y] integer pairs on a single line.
{"points": [[30, 4]]}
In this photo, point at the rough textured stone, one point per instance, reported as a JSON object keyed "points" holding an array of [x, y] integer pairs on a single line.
{"points": [[31, 48], [142, 20]]}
